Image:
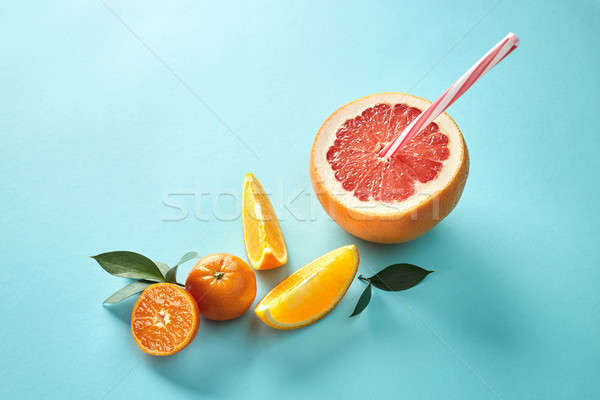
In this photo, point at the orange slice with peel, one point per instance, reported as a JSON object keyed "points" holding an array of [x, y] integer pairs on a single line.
{"points": [[265, 245], [311, 292], [164, 320]]}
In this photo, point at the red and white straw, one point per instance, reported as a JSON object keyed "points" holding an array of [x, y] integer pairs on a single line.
{"points": [[487, 62]]}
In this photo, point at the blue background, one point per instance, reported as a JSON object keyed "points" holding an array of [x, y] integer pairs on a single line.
{"points": [[110, 112]]}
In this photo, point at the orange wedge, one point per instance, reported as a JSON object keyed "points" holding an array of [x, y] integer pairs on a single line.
{"points": [[311, 292], [263, 239]]}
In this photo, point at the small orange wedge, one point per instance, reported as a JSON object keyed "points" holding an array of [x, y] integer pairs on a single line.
{"points": [[311, 292], [263, 239]]}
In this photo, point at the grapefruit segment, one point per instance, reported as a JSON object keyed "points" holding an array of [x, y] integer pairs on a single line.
{"points": [[420, 168], [397, 180]]}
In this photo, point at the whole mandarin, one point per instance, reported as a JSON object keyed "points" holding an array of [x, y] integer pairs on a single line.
{"points": [[223, 285]]}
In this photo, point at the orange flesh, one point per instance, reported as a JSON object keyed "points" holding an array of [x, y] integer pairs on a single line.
{"points": [[312, 291], [164, 319], [358, 167], [265, 245]]}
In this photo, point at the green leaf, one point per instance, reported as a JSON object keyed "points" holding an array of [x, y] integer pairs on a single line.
{"points": [[127, 264], [363, 301], [164, 268], [398, 277], [127, 291], [187, 257], [171, 274]]}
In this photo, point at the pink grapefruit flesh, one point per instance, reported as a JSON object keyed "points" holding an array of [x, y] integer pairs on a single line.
{"points": [[358, 167], [387, 200]]}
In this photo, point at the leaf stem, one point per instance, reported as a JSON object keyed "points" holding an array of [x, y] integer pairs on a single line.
{"points": [[364, 279]]}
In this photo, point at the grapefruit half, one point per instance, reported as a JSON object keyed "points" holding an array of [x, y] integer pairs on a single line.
{"points": [[395, 200]]}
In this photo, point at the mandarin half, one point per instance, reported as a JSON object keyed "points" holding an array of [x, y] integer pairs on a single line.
{"points": [[164, 320]]}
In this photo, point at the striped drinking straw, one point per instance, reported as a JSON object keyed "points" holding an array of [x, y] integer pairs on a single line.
{"points": [[487, 62]]}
